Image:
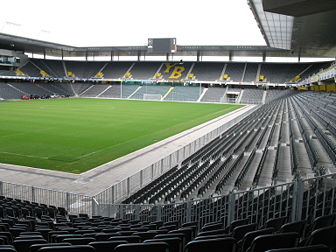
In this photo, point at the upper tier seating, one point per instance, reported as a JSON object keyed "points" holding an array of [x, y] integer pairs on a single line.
{"points": [[207, 71]]}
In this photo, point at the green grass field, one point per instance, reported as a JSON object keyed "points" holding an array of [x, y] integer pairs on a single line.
{"points": [[76, 135]]}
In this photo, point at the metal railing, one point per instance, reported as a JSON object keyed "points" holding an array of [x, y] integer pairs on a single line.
{"points": [[72, 202], [300, 199]]}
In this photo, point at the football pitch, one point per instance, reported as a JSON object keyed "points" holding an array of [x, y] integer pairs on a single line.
{"points": [[76, 134]]}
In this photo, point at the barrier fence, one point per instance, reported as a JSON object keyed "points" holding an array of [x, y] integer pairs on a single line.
{"points": [[298, 200], [73, 203]]}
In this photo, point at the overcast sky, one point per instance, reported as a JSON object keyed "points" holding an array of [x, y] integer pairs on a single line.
{"points": [[131, 22]]}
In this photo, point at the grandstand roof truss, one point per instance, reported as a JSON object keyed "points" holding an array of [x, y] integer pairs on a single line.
{"points": [[34, 46]]}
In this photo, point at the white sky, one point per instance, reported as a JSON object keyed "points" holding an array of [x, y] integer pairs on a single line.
{"points": [[131, 22]]}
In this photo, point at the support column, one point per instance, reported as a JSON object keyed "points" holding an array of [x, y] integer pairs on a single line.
{"points": [[264, 57], [198, 56], [33, 194], [1, 188], [298, 191], [128, 187], [230, 55], [159, 212], [231, 208]]}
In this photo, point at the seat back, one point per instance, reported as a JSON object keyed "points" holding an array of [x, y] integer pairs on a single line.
{"points": [[212, 232], [72, 248], [128, 238], [174, 235], [36, 247], [276, 223], [146, 235], [249, 237], [314, 248], [106, 246], [188, 233], [143, 247], [79, 241], [174, 244], [213, 245], [212, 237], [297, 227], [273, 241], [239, 232], [23, 245], [212, 227], [326, 236], [7, 248], [323, 221], [237, 223]]}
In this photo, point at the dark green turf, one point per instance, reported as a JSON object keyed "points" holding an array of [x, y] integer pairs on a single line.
{"points": [[75, 135]]}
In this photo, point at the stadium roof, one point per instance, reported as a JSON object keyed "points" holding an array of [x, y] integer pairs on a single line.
{"points": [[306, 27], [12, 42], [17, 43]]}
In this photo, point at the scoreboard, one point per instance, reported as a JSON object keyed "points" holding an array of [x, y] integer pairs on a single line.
{"points": [[162, 45]]}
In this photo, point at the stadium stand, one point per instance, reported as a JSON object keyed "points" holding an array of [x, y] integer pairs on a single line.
{"points": [[250, 72], [272, 94], [175, 71], [30, 69], [54, 68], [235, 71], [80, 88], [116, 70], [207, 71], [184, 94], [252, 96], [144, 70], [156, 90], [128, 90], [281, 72], [32, 89], [66, 88], [200, 71], [214, 94], [94, 90], [84, 69], [112, 92], [5, 72], [268, 152], [8, 92]]}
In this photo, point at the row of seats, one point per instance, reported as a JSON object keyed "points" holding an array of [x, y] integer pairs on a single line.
{"points": [[270, 146], [15, 90], [80, 233], [203, 71]]}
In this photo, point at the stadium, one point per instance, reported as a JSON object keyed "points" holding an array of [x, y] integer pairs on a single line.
{"points": [[172, 147]]}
